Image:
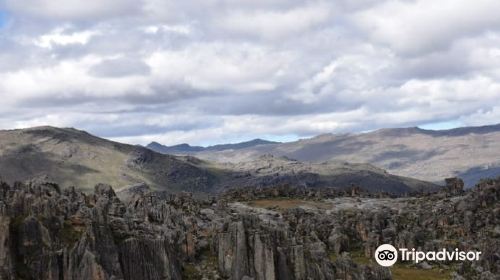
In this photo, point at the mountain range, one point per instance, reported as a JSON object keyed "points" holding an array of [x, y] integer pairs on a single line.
{"points": [[71, 157], [471, 153], [186, 148]]}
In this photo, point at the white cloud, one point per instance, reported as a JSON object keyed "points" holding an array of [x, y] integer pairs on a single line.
{"points": [[67, 80], [212, 71], [53, 119], [221, 67], [179, 29], [59, 37], [426, 25], [275, 24], [482, 116]]}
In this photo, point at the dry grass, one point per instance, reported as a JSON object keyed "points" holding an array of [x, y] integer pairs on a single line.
{"points": [[403, 272], [285, 203]]}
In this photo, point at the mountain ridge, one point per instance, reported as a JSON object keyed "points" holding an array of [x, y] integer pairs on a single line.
{"points": [[75, 157], [186, 148], [468, 152], [72, 157]]}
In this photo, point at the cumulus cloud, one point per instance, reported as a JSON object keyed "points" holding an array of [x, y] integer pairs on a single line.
{"points": [[218, 71], [274, 24], [424, 25], [57, 37]]}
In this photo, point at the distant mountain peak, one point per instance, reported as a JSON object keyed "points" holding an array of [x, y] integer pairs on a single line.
{"points": [[185, 148]]}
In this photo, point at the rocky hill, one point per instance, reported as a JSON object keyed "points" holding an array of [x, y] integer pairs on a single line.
{"points": [[261, 234], [72, 157], [269, 171], [469, 152]]}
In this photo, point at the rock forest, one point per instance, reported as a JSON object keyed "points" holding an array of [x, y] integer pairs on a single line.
{"points": [[280, 232]]}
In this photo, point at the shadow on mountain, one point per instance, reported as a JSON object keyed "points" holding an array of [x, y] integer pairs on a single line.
{"points": [[474, 175], [28, 161], [405, 156], [168, 171]]}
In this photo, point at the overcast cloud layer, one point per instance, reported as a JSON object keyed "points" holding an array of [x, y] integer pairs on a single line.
{"points": [[216, 71]]}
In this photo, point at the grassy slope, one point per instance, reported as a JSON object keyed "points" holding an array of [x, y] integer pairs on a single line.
{"points": [[76, 158]]}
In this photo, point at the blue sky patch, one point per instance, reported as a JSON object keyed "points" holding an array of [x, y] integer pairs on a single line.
{"points": [[3, 18], [441, 125]]}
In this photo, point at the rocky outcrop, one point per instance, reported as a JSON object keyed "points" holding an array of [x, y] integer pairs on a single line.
{"points": [[52, 235], [269, 171], [49, 233], [6, 267], [454, 185], [249, 248]]}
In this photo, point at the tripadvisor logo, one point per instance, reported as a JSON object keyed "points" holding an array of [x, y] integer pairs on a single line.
{"points": [[386, 255]]}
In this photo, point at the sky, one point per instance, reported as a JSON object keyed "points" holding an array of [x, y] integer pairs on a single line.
{"points": [[218, 71]]}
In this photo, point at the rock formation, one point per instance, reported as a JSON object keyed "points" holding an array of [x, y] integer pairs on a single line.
{"points": [[49, 233]]}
